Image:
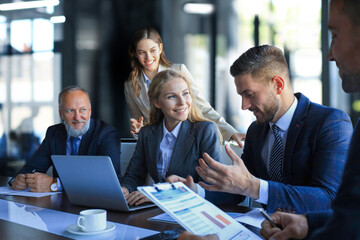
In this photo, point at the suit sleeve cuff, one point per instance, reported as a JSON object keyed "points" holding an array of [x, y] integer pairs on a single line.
{"points": [[263, 192], [200, 191]]}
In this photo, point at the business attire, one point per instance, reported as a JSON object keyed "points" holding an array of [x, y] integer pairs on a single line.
{"points": [[192, 141], [344, 221], [140, 106], [100, 139], [314, 157]]}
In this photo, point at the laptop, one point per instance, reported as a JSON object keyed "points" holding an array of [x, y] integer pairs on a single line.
{"points": [[92, 181]]}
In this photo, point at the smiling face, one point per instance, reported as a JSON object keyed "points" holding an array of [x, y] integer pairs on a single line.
{"points": [[148, 53], [345, 47], [258, 97], [75, 110], [174, 101]]}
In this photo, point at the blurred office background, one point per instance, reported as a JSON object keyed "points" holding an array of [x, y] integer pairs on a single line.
{"points": [[85, 42]]}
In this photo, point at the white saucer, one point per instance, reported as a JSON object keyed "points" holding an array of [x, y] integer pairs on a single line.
{"points": [[73, 228]]}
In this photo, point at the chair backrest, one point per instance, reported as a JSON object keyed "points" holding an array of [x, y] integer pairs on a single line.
{"points": [[225, 158], [127, 151]]}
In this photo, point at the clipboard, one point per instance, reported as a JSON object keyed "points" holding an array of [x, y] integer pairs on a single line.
{"points": [[194, 213]]}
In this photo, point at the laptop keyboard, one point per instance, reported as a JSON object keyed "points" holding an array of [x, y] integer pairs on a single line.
{"points": [[141, 205]]}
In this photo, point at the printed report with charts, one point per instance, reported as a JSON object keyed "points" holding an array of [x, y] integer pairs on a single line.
{"points": [[194, 213]]}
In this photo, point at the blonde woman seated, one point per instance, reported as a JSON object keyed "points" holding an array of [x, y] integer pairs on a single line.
{"points": [[175, 138]]}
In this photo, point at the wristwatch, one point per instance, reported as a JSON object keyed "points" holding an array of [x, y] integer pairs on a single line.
{"points": [[54, 185]]}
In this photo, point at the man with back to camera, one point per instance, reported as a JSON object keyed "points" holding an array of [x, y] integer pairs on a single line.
{"points": [[343, 221], [78, 134]]}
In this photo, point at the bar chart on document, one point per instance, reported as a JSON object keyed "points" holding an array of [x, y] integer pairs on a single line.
{"points": [[194, 213]]}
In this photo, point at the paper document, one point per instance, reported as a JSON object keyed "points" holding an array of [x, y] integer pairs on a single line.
{"points": [[253, 218], [25, 193], [194, 213], [164, 217]]}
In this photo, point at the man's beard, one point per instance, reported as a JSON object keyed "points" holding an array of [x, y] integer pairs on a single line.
{"points": [[72, 132], [269, 111]]}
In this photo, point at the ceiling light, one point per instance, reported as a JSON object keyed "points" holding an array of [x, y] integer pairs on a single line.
{"points": [[199, 8], [28, 4]]}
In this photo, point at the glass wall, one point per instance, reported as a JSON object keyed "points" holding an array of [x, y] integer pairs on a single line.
{"points": [[294, 27], [28, 85]]}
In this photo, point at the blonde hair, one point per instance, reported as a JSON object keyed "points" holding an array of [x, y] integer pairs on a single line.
{"points": [[156, 86], [137, 68]]}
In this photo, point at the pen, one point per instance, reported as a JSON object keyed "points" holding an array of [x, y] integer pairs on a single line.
{"points": [[268, 218], [34, 170]]}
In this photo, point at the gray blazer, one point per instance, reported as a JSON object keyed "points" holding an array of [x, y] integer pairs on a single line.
{"points": [[193, 140], [140, 106]]}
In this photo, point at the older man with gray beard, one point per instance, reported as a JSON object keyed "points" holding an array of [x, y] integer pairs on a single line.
{"points": [[78, 134]]}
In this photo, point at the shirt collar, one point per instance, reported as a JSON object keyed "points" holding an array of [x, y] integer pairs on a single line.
{"points": [[284, 122], [68, 137], [175, 131], [146, 79]]}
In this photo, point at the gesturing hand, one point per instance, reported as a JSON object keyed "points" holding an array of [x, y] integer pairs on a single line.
{"points": [[232, 179], [189, 181], [136, 125]]}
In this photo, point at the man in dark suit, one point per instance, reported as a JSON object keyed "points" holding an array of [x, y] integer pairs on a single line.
{"points": [[343, 222], [294, 152], [78, 134]]}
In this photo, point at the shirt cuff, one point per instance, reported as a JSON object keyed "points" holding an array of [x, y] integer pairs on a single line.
{"points": [[263, 192], [60, 187], [200, 191]]}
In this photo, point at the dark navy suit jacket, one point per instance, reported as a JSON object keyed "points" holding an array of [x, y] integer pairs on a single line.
{"points": [[100, 139], [314, 158], [193, 140], [344, 221]]}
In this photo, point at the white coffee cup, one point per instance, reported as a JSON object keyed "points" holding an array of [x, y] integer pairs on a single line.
{"points": [[92, 220]]}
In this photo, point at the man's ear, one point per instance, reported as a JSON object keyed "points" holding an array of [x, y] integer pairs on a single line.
{"points": [[279, 84], [60, 114]]}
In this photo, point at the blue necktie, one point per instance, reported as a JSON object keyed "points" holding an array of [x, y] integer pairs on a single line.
{"points": [[276, 157], [74, 145]]}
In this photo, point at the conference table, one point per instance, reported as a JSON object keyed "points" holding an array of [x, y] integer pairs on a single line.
{"points": [[47, 218]]}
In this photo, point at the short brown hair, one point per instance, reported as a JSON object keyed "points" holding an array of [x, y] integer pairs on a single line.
{"points": [[261, 62]]}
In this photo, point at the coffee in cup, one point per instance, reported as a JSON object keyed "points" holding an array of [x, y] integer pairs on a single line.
{"points": [[92, 220]]}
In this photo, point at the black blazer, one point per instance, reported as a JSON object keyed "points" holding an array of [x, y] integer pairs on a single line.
{"points": [[100, 139], [193, 140]]}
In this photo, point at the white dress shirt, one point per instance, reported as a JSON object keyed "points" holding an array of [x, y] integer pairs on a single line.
{"points": [[166, 150], [283, 123]]}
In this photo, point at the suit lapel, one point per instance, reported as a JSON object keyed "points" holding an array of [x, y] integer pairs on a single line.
{"points": [[183, 144], [144, 98], [60, 141], [261, 167], [86, 138], [294, 132], [153, 141]]}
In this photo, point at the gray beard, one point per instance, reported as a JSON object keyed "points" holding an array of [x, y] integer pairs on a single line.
{"points": [[74, 132]]}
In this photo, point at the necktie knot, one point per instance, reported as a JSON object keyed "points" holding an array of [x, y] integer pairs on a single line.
{"points": [[74, 145], [275, 129]]}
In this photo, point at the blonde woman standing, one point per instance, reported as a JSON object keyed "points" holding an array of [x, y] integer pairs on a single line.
{"points": [[147, 58]]}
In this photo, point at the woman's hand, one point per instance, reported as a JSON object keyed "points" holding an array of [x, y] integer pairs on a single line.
{"points": [[136, 125], [136, 198]]}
